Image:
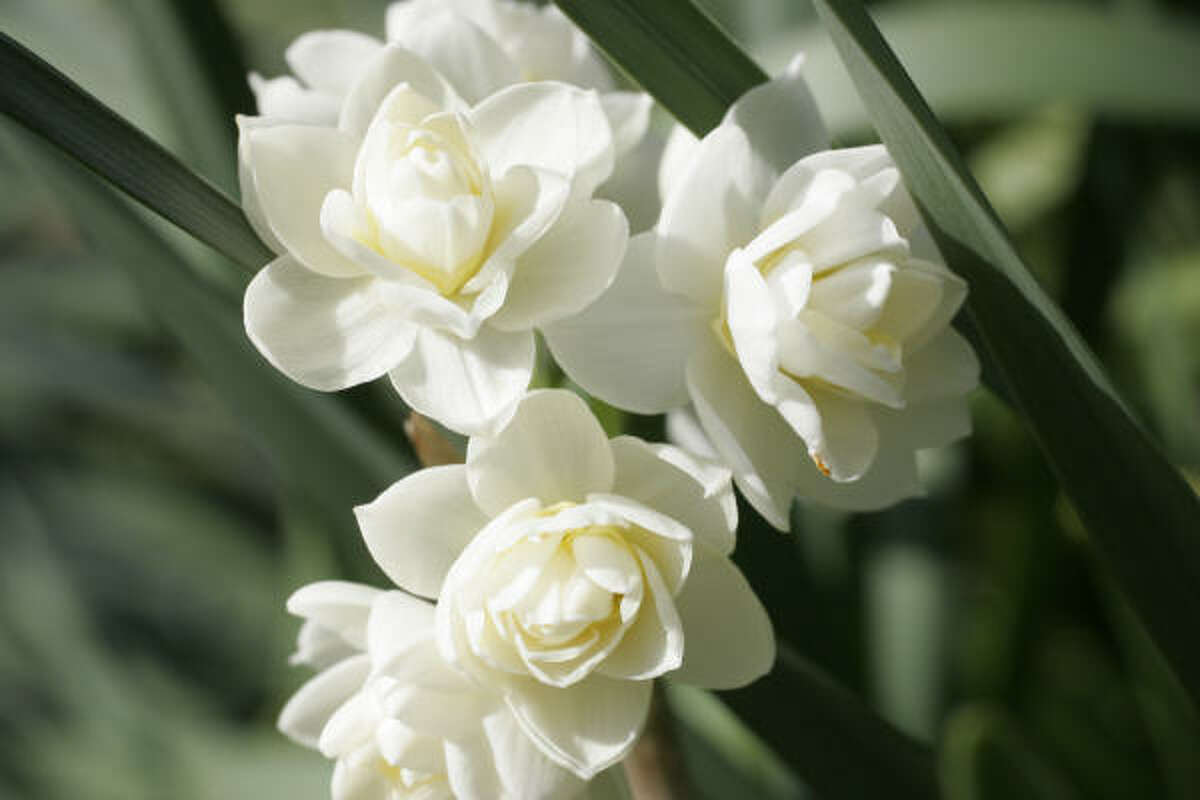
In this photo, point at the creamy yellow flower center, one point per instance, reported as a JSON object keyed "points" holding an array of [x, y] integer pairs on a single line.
{"points": [[428, 204]]}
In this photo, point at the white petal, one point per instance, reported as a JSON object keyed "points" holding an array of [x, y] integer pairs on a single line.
{"points": [[310, 708], [728, 640], [567, 268], [469, 385], [681, 147], [331, 61], [340, 606], [417, 527], [246, 187], [397, 620], [634, 182], [629, 117], [294, 167], [358, 779], [529, 202], [684, 431], [319, 647], [283, 99], [326, 333], [549, 125], [935, 423], [764, 453], [946, 367], [781, 118], [351, 726], [467, 57], [553, 450], [630, 347], [392, 66], [654, 644], [891, 478], [471, 769], [525, 772], [586, 728], [668, 479], [712, 208], [849, 438]]}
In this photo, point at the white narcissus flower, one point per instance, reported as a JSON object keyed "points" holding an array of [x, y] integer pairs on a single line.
{"points": [[788, 301], [426, 239], [399, 722], [571, 570], [480, 47]]}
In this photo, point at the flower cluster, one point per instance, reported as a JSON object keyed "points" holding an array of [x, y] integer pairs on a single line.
{"points": [[439, 198]]}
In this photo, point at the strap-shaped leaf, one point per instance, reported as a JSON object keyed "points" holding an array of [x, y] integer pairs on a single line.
{"points": [[1141, 513], [314, 443], [51, 105], [674, 51]]}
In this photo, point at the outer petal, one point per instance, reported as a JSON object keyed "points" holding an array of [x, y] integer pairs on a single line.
{"points": [[417, 527], [525, 772], [340, 606], [283, 99], [586, 728], [631, 346], [892, 477], [946, 367], [669, 480], [310, 708], [713, 208], [294, 167], [471, 386], [727, 636], [246, 187], [471, 770], [549, 125], [326, 333], [456, 47], [781, 118], [392, 66], [397, 621], [553, 449], [331, 61], [764, 453], [629, 117], [567, 268]]}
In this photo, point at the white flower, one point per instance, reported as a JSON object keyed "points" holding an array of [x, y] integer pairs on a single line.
{"points": [[788, 302], [479, 47], [570, 570], [426, 239], [400, 723]]}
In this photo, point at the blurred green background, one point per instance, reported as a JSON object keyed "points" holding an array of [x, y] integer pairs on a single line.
{"points": [[151, 527]]}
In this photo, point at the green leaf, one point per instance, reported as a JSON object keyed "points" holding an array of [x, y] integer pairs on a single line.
{"points": [[310, 439], [674, 51], [984, 757], [51, 105], [1141, 514], [961, 57], [837, 745]]}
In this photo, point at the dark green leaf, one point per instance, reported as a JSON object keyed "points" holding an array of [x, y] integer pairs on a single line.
{"points": [[674, 51], [311, 440], [51, 105]]}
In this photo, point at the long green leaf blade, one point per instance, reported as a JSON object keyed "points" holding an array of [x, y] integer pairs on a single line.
{"points": [[1142, 515], [47, 102], [1139, 68], [658, 44], [311, 441]]}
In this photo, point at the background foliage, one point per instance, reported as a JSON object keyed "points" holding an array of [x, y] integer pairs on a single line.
{"points": [[152, 525]]}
